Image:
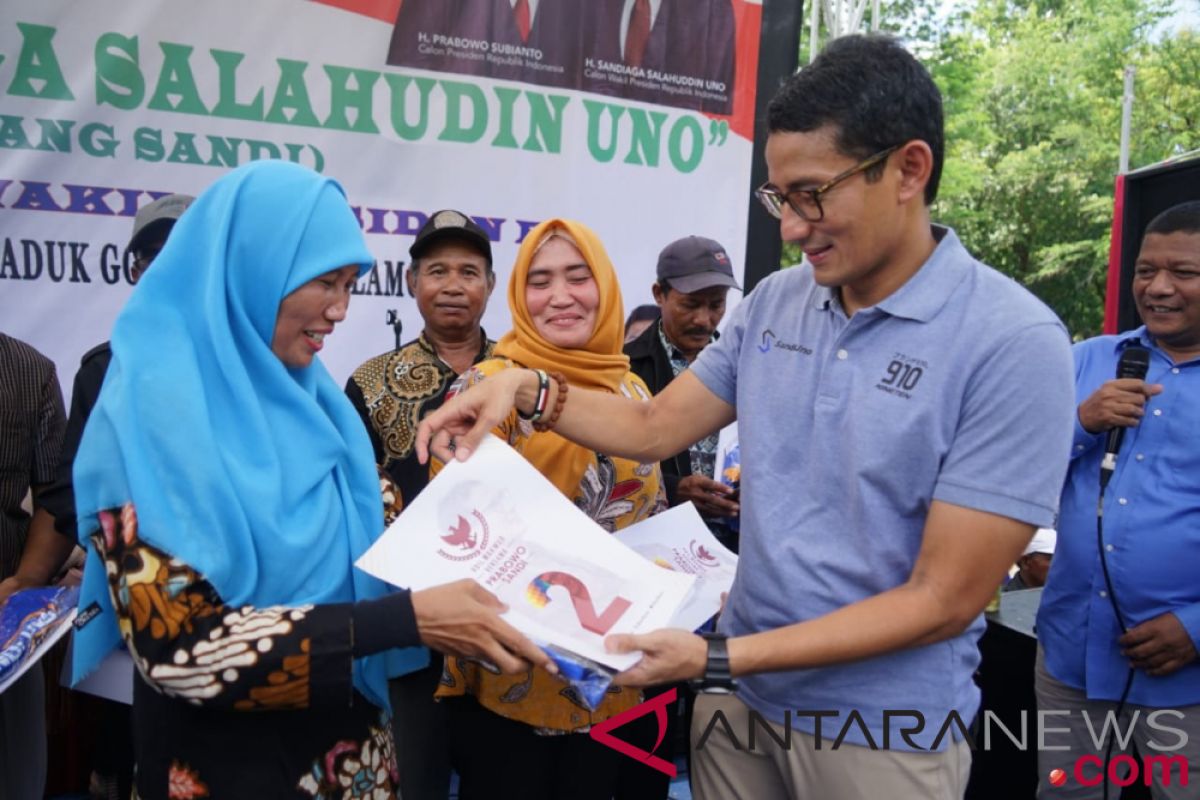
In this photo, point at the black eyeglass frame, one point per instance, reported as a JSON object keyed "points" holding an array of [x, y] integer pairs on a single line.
{"points": [[772, 199]]}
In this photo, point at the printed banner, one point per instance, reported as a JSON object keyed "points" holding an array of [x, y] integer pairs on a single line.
{"points": [[633, 117], [674, 54]]}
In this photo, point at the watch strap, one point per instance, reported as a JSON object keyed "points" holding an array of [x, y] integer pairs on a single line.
{"points": [[718, 677]]}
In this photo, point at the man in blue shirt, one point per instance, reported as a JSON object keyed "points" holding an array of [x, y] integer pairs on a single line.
{"points": [[1151, 535], [904, 417]]}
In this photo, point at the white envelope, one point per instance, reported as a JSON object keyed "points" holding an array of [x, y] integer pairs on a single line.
{"points": [[679, 540], [566, 580], [112, 679]]}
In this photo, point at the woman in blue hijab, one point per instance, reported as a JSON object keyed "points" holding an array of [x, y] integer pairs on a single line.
{"points": [[225, 487]]}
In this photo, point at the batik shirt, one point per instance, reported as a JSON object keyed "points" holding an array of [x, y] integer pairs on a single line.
{"points": [[201, 662], [392, 393]]}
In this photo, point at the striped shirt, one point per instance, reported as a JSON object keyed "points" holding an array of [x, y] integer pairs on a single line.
{"points": [[31, 431]]}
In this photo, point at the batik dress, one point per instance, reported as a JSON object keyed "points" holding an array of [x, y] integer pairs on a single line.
{"points": [[240, 702]]}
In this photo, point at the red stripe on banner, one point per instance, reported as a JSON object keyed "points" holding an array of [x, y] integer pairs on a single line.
{"points": [[748, 22], [384, 10], [1112, 294]]}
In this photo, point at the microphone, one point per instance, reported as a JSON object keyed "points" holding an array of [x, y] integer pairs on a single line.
{"points": [[1134, 363]]}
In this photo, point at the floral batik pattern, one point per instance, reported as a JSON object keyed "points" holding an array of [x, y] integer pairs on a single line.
{"points": [[187, 643], [315, 735], [401, 387], [350, 770], [393, 503], [184, 784]]}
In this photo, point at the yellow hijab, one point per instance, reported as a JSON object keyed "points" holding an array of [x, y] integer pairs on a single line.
{"points": [[600, 364]]}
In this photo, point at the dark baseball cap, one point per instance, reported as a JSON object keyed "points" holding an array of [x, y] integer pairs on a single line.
{"points": [[155, 219], [451, 224], [694, 263]]}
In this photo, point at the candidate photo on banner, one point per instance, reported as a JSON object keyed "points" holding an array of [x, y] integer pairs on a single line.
{"points": [[535, 41], [668, 52], [672, 52]]}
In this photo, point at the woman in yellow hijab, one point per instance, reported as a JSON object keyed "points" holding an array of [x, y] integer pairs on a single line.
{"points": [[525, 736]]}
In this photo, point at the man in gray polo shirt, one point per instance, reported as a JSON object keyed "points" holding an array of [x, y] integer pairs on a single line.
{"points": [[905, 416]]}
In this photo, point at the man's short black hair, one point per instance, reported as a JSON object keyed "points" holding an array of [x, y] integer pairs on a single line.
{"points": [[1183, 218], [874, 93], [664, 285]]}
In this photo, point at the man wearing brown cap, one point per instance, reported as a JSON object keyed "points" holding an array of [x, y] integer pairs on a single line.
{"points": [[451, 278], [694, 274]]}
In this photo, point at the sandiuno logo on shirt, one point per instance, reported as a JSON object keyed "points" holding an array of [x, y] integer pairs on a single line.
{"points": [[770, 341]]}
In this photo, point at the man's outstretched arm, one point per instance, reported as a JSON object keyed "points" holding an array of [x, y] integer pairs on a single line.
{"points": [[644, 431]]}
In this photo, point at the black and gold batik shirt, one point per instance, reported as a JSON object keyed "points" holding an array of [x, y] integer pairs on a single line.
{"points": [[393, 392]]}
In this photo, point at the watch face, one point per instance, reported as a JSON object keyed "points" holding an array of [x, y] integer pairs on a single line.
{"points": [[703, 687]]}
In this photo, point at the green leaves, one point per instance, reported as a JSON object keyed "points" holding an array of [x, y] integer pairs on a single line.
{"points": [[1032, 95], [1033, 116]]}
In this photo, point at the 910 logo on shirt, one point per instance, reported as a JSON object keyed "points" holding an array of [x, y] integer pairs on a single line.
{"points": [[902, 375]]}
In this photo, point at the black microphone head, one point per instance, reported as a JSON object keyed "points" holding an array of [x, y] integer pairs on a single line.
{"points": [[1134, 363]]}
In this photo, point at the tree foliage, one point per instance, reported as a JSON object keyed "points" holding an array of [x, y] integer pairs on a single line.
{"points": [[1032, 92]]}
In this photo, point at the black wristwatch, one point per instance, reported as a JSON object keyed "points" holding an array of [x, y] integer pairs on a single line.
{"points": [[717, 677]]}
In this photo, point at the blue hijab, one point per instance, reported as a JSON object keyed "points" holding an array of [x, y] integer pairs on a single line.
{"points": [[259, 476]]}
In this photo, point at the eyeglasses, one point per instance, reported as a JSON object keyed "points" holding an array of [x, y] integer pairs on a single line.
{"points": [[807, 202]]}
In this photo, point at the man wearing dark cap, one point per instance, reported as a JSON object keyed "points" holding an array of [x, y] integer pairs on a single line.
{"points": [[694, 275], [451, 278], [43, 556]]}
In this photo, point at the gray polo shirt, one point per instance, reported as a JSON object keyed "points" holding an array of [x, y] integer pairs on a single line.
{"points": [[958, 387]]}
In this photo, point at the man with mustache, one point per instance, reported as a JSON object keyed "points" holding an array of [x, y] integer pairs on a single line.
{"points": [[451, 278], [693, 276]]}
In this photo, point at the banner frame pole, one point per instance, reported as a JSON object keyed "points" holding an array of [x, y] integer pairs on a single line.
{"points": [[779, 56]]}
